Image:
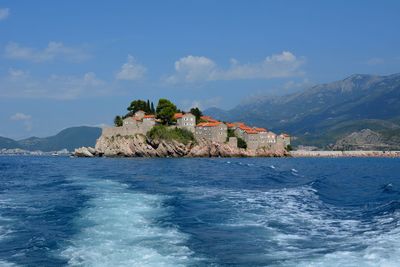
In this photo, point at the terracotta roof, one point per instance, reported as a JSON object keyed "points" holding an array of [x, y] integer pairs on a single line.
{"points": [[149, 116], [208, 124], [261, 129], [285, 135], [178, 115], [208, 118], [244, 127], [230, 125], [251, 131]]}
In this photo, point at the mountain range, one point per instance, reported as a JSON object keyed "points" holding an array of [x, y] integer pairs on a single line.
{"points": [[323, 114], [69, 139], [327, 115]]}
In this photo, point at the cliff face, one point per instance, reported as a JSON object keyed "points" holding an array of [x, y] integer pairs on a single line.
{"points": [[140, 146]]}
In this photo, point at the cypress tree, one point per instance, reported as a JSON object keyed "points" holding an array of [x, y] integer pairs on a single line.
{"points": [[148, 109]]}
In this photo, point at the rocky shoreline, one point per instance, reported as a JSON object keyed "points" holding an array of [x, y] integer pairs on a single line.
{"points": [[140, 146]]}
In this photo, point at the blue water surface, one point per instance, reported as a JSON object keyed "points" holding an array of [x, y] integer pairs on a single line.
{"points": [[57, 211]]}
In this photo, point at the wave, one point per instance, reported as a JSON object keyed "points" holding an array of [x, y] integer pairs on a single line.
{"points": [[7, 264], [294, 227], [119, 227]]}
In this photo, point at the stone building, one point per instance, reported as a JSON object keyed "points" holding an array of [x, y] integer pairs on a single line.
{"points": [[186, 121], [252, 138], [212, 131], [262, 136], [139, 123], [240, 129]]}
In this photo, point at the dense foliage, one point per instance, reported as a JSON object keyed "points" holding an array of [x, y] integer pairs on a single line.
{"points": [[231, 133], [241, 143], [118, 122], [165, 111], [197, 113], [139, 104], [161, 132]]}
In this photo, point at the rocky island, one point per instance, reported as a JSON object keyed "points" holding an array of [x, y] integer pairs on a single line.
{"points": [[169, 132]]}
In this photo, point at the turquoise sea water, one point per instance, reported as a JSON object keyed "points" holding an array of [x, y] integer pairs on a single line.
{"points": [[199, 212]]}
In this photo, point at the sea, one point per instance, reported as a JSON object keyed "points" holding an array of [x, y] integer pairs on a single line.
{"points": [[60, 211]]}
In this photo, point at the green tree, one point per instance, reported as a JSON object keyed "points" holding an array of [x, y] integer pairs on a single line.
{"points": [[118, 122], [197, 113], [241, 143], [148, 108], [137, 105], [153, 110], [165, 111]]}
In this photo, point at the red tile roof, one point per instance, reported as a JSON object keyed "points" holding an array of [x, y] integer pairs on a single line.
{"points": [[244, 127], [251, 131], [230, 125], [178, 115], [208, 119], [209, 124], [261, 129]]}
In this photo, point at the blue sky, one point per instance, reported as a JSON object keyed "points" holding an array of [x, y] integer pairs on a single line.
{"points": [[69, 63]]}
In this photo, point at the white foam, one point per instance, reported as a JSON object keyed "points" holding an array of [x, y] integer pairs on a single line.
{"points": [[7, 264], [120, 228], [293, 217]]}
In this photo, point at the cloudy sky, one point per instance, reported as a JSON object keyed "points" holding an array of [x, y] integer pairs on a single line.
{"points": [[69, 63]]}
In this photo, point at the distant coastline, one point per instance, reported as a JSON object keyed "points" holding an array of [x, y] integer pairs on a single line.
{"points": [[344, 154]]}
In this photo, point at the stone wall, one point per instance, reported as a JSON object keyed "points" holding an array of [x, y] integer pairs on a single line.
{"points": [[232, 142], [123, 130]]}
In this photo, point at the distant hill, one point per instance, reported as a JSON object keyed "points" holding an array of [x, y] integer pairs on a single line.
{"points": [[325, 113], [8, 143], [69, 138]]}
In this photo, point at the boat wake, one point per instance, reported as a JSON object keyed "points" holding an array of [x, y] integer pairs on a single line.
{"points": [[119, 227], [294, 227]]}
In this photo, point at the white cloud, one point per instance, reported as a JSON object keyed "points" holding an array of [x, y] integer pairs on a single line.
{"points": [[196, 69], [375, 61], [24, 118], [16, 74], [55, 86], [192, 69], [187, 104], [54, 50], [4, 13], [20, 117], [131, 70]]}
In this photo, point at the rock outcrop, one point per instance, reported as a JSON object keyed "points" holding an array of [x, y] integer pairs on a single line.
{"points": [[139, 145], [86, 152]]}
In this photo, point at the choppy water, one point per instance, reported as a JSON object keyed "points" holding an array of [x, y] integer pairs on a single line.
{"points": [[199, 212]]}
